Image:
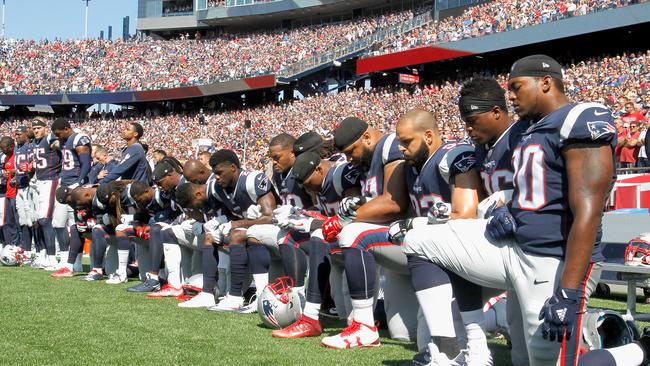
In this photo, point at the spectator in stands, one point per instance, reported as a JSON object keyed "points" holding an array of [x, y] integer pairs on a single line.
{"points": [[630, 147]]}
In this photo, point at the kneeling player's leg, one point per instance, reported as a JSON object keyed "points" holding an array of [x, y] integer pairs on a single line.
{"points": [[294, 259], [122, 234], [155, 250], [234, 300]]}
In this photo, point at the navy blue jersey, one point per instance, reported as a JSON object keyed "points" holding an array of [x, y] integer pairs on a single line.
{"points": [[339, 178], [99, 209], [290, 192], [47, 161], [97, 168], [432, 183], [133, 165], [22, 154], [386, 152], [71, 165], [494, 163], [161, 207], [540, 202], [251, 185]]}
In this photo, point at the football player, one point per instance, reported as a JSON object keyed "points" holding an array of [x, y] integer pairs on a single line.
{"points": [[330, 182], [76, 153], [379, 156], [23, 175], [10, 222], [133, 165], [47, 166], [548, 235], [249, 196]]}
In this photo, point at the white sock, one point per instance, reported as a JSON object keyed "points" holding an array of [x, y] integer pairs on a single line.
{"points": [[122, 260], [98, 270], [629, 354], [474, 322], [261, 280], [435, 303], [173, 264], [152, 276], [63, 256], [77, 261], [362, 311], [300, 290], [311, 310], [51, 260]]}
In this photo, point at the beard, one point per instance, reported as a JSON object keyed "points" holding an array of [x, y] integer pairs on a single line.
{"points": [[419, 157], [366, 160]]}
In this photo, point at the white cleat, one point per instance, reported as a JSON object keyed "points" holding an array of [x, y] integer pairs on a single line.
{"points": [[470, 357], [229, 303], [202, 300], [116, 278], [251, 308], [355, 335]]}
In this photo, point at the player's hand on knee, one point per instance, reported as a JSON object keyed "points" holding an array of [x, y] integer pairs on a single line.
{"points": [[347, 211], [331, 228], [560, 313], [501, 224], [439, 213]]}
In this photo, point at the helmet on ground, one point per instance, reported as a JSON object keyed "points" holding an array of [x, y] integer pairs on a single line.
{"points": [[278, 305]]}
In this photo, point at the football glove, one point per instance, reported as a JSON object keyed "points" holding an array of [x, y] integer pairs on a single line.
{"points": [[347, 211], [26, 167], [398, 229], [142, 232], [90, 223], [300, 225], [495, 200], [560, 314], [284, 210], [197, 228], [81, 227], [331, 228], [438, 213], [224, 228], [501, 224]]}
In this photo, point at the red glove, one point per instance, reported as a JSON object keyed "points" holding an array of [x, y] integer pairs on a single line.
{"points": [[331, 228], [81, 215], [142, 232], [26, 167]]}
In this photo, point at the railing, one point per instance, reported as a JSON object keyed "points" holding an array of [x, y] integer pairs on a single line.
{"points": [[356, 46]]}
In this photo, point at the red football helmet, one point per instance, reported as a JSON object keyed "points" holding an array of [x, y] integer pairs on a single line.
{"points": [[637, 252]]}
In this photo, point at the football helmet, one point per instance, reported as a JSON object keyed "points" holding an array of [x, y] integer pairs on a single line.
{"points": [[637, 252], [12, 255], [604, 329], [278, 305]]}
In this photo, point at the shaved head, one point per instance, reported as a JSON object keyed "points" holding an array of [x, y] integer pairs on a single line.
{"points": [[196, 172], [420, 120]]}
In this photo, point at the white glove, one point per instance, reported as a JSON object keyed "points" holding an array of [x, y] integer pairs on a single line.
{"points": [[282, 221], [300, 225], [197, 228], [347, 211], [224, 228], [284, 210], [254, 212], [212, 226], [495, 200], [126, 219], [90, 223], [438, 213], [106, 220]]}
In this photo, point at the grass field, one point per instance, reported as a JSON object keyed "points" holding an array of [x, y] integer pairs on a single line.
{"points": [[70, 322]]}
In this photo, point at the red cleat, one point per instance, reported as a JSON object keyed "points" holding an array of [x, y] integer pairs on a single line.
{"points": [[62, 273], [166, 291], [303, 327]]}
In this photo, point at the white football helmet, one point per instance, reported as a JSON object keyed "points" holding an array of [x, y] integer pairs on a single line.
{"points": [[278, 305], [637, 252], [12, 255]]}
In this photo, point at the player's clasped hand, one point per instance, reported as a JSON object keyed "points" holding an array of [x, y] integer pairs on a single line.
{"points": [[348, 208], [439, 213], [331, 228], [559, 314], [501, 224]]}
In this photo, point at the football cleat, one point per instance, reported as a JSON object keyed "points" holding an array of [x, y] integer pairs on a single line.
{"points": [[93, 275], [424, 358], [116, 278], [229, 303], [167, 290], [355, 335], [62, 273], [202, 300], [303, 327], [469, 357], [251, 308], [150, 285]]}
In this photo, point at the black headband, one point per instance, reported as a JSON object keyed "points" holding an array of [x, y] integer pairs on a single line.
{"points": [[469, 106]]}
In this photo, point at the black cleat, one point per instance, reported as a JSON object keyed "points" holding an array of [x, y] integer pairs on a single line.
{"points": [[150, 285]]}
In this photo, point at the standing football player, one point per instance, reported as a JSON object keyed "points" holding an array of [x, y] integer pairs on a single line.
{"points": [[23, 171], [133, 165]]}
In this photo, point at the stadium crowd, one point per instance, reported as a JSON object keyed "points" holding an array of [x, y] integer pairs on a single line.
{"points": [[613, 81], [494, 17], [86, 66]]}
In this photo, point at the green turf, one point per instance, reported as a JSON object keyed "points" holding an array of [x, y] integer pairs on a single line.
{"points": [[50, 321]]}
